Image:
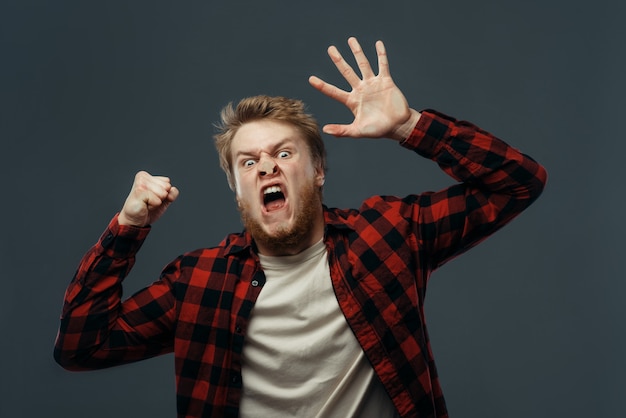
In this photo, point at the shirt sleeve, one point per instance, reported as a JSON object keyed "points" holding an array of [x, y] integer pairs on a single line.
{"points": [[496, 183], [97, 330]]}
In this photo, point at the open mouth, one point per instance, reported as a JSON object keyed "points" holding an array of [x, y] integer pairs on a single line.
{"points": [[273, 198]]}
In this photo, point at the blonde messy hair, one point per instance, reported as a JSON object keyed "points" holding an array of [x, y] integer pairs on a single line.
{"points": [[278, 108]]}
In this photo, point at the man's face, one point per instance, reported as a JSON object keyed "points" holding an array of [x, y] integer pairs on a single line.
{"points": [[277, 187]]}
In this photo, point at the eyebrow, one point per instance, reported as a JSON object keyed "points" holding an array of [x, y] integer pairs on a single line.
{"points": [[275, 148]]}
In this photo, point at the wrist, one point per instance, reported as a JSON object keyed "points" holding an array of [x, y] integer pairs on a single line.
{"points": [[404, 130], [123, 220]]}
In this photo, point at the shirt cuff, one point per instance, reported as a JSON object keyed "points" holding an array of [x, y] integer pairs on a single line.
{"points": [[122, 241], [427, 135]]}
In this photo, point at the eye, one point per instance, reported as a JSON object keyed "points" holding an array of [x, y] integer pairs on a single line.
{"points": [[248, 163], [284, 154]]}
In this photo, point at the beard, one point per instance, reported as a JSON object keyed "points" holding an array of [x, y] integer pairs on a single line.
{"points": [[285, 238]]}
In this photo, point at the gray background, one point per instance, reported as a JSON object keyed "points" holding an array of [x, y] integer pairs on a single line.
{"points": [[529, 324]]}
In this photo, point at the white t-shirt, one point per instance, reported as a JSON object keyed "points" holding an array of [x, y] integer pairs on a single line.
{"points": [[300, 357]]}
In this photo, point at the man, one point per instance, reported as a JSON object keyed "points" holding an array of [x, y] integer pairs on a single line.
{"points": [[310, 311]]}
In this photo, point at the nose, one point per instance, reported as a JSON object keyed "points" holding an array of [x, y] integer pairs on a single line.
{"points": [[267, 166]]}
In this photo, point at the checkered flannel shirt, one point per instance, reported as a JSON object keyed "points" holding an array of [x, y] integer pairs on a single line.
{"points": [[380, 258]]}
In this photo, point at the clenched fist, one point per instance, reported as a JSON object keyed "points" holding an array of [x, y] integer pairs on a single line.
{"points": [[148, 199]]}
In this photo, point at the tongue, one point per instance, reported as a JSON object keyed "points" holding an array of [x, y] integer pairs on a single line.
{"points": [[275, 204]]}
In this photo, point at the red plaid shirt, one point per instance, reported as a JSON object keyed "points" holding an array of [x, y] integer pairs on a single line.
{"points": [[380, 257]]}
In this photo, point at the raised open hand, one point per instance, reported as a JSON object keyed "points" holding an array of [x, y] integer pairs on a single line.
{"points": [[379, 107]]}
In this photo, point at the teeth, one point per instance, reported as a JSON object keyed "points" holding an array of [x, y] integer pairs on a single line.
{"points": [[272, 189]]}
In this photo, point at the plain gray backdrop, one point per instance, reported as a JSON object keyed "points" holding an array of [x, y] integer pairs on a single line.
{"points": [[528, 324]]}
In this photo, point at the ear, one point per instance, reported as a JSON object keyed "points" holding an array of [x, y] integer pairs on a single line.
{"points": [[320, 177]]}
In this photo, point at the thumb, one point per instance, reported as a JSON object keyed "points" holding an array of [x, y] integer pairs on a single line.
{"points": [[337, 130]]}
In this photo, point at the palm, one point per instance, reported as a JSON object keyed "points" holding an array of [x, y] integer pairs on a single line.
{"points": [[376, 109], [377, 104]]}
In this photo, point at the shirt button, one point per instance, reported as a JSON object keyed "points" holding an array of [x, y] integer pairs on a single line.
{"points": [[255, 283], [107, 240], [238, 329]]}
